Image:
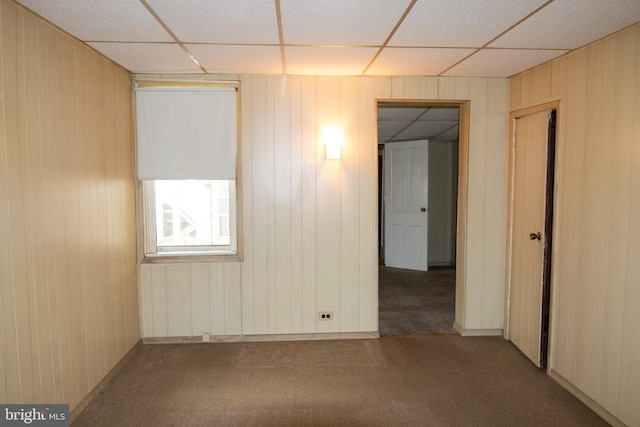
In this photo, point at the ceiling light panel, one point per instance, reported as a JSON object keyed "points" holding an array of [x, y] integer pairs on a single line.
{"points": [[570, 24], [238, 59], [348, 61], [501, 62], [340, 22], [99, 20], [148, 57], [415, 61], [222, 21], [460, 23]]}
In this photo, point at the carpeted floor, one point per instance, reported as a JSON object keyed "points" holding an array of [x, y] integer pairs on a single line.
{"points": [[416, 302], [422, 380]]}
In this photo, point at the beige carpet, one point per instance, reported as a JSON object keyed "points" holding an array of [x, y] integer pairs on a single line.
{"points": [[428, 380], [416, 302]]}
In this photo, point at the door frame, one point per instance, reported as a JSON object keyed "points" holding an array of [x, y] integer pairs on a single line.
{"points": [[463, 187], [550, 199]]}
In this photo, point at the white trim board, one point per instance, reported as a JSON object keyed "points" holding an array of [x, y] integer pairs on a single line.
{"points": [[262, 338], [476, 332]]}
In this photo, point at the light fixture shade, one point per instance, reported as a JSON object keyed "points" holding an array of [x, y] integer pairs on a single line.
{"points": [[333, 151], [333, 138]]}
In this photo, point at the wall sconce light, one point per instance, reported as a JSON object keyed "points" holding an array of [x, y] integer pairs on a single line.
{"points": [[333, 138]]}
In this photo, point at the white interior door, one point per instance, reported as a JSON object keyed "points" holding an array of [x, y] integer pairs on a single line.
{"points": [[406, 213], [527, 235]]}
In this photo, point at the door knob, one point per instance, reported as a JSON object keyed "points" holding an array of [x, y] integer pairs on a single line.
{"points": [[535, 236], [423, 209]]}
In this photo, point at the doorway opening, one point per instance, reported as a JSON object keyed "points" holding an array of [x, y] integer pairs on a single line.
{"points": [[418, 157]]}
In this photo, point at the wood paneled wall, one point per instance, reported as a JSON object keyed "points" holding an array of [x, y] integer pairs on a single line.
{"points": [[595, 323], [68, 292], [443, 172], [310, 224]]}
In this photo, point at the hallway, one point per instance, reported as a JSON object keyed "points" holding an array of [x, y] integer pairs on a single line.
{"points": [[416, 302]]}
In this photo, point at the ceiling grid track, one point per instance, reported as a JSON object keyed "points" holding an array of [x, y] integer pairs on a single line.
{"points": [[408, 125], [487, 39], [173, 36], [388, 39], [281, 36], [496, 37]]}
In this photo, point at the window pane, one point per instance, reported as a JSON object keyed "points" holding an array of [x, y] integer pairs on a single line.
{"points": [[192, 213]]}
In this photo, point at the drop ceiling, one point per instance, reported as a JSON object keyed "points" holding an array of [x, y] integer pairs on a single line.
{"points": [[462, 38], [479, 38], [438, 124]]}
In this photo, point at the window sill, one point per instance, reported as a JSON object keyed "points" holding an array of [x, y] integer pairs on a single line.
{"points": [[190, 258]]}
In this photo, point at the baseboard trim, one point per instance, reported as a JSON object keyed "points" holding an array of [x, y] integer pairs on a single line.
{"points": [[476, 332], [262, 338], [77, 410], [589, 402]]}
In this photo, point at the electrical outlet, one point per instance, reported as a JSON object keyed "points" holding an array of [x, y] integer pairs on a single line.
{"points": [[205, 337], [325, 315]]}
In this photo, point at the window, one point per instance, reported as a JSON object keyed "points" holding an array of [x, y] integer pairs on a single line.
{"points": [[190, 217], [186, 138]]}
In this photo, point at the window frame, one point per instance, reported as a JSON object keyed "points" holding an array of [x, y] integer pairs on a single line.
{"points": [[145, 193]]}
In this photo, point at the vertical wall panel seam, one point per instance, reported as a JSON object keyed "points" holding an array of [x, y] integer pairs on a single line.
{"points": [[223, 288], [288, 101], [358, 155], [486, 108], [96, 188], [5, 183], [53, 273], [253, 210], [13, 279], [10, 240], [340, 84], [274, 223], [44, 93]]}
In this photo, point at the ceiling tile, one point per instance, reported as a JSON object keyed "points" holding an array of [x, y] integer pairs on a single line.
{"points": [[426, 129], [569, 24], [99, 20], [395, 113], [327, 61], [441, 114], [387, 129], [415, 61], [435, 34], [148, 57], [460, 23], [340, 22], [238, 59], [222, 21], [449, 135], [501, 62]]}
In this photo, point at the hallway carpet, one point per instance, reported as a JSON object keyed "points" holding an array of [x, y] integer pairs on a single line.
{"points": [[428, 380], [416, 302]]}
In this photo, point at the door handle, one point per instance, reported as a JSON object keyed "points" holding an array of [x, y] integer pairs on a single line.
{"points": [[423, 209], [535, 236]]}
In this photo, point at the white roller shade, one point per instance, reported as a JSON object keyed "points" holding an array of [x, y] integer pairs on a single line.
{"points": [[186, 133]]}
